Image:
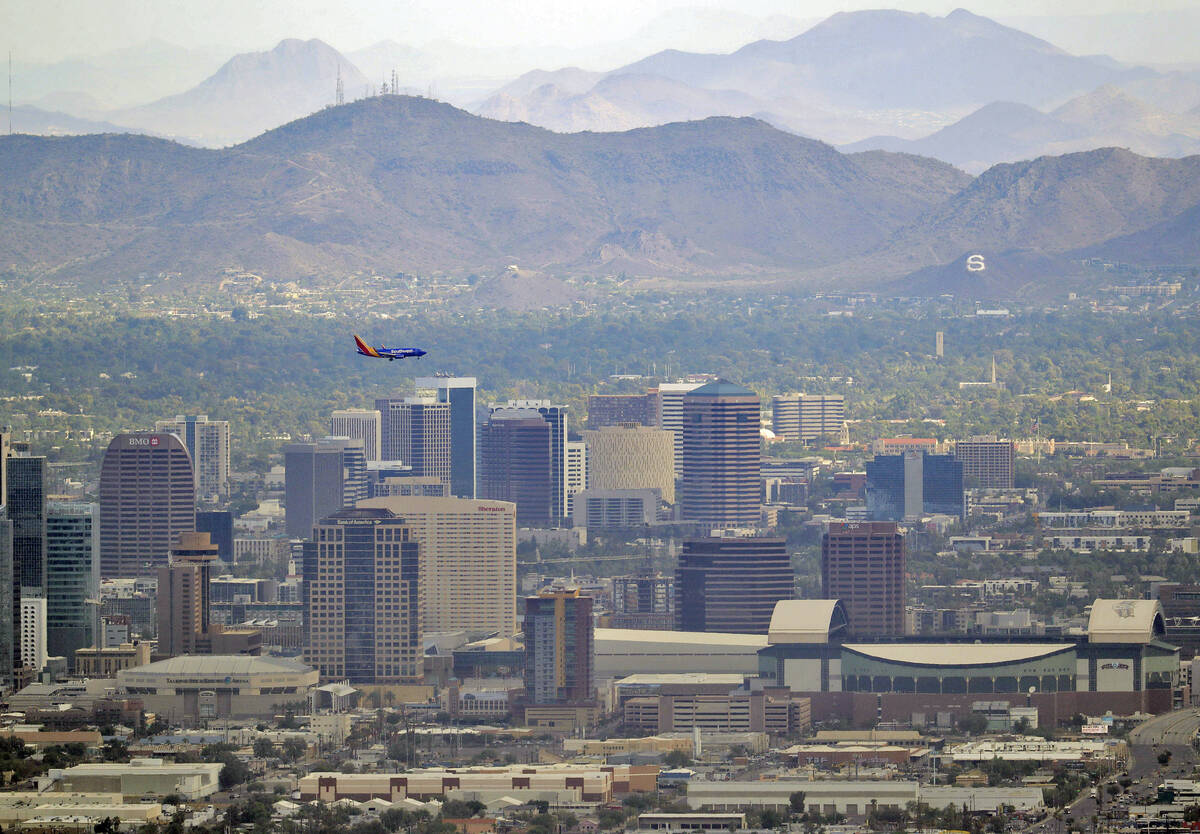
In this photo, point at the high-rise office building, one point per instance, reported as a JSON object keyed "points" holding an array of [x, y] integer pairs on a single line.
{"points": [[987, 462], [555, 417], [616, 409], [33, 632], [147, 498], [10, 611], [722, 479], [862, 564], [669, 396], [365, 424], [731, 583], [5, 451], [515, 464], [913, 484], [362, 600], [559, 648], [219, 526], [319, 479], [459, 393], [183, 596], [576, 471], [26, 501], [207, 442], [468, 551], [416, 431], [629, 456], [644, 601], [805, 417], [72, 577]]}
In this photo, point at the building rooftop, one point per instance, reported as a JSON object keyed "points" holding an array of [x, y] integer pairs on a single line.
{"points": [[699, 639], [957, 654], [733, 680], [222, 665], [1125, 621], [721, 388], [806, 621]]}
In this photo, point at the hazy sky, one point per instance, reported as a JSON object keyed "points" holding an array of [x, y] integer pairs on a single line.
{"points": [[40, 30]]}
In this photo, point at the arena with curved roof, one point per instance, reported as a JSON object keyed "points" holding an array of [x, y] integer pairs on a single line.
{"points": [[1120, 664]]}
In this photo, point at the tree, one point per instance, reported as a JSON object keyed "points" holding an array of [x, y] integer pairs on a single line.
{"points": [[264, 748], [973, 724], [770, 818], [796, 801], [677, 758], [1164, 757], [234, 772], [294, 748]]}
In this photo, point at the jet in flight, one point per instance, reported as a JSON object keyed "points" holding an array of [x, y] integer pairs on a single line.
{"points": [[387, 353]]}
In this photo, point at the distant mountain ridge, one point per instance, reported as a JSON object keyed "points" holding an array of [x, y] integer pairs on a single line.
{"points": [[1010, 132], [401, 184], [839, 77], [251, 93]]}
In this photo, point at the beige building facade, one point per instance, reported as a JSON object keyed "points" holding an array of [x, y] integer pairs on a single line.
{"points": [[629, 456], [468, 572]]}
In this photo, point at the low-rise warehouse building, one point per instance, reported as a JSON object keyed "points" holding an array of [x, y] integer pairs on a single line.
{"points": [[140, 777], [565, 784], [63, 810], [1036, 749], [854, 798]]}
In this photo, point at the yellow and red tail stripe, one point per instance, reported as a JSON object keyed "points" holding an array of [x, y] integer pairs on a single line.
{"points": [[366, 349]]}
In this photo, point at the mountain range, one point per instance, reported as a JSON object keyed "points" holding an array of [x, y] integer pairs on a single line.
{"points": [[961, 88], [399, 184]]}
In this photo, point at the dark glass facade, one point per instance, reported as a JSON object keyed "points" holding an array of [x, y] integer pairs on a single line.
{"points": [[731, 584]]}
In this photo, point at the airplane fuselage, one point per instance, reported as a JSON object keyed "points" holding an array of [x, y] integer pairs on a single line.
{"points": [[387, 353]]}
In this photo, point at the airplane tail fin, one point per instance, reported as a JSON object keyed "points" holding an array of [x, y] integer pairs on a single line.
{"points": [[364, 348]]}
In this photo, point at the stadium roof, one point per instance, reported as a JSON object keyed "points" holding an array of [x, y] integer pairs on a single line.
{"points": [[1125, 621], [957, 654], [806, 621]]}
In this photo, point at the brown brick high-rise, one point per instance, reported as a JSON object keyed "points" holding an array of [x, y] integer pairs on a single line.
{"points": [[147, 498], [862, 564]]}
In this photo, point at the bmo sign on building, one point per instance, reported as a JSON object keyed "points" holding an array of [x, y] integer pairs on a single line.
{"points": [[147, 498]]}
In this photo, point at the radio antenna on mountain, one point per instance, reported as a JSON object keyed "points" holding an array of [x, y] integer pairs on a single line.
{"points": [[340, 95]]}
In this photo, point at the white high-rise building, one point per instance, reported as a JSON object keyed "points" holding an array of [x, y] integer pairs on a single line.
{"points": [[805, 417], [33, 632], [577, 471], [468, 573], [207, 441], [363, 424], [670, 399], [459, 393]]}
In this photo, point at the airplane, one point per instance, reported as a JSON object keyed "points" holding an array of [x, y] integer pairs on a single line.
{"points": [[387, 353]]}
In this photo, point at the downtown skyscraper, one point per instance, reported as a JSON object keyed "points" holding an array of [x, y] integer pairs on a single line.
{"points": [[721, 456], [362, 598], [458, 392], [207, 442], [147, 498]]}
